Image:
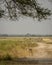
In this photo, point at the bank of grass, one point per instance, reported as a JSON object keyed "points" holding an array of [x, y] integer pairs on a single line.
{"points": [[48, 42], [10, 49]]}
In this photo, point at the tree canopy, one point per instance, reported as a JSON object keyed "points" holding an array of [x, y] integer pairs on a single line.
{"points": [[29, 8]]}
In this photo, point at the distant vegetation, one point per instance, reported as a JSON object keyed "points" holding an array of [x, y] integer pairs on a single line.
{"points": [[25, 35]]}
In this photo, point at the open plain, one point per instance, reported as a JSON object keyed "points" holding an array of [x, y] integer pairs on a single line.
{"points": [[12, 48]]}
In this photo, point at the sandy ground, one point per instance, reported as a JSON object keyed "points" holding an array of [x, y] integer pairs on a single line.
{"points": [[43, 50]]}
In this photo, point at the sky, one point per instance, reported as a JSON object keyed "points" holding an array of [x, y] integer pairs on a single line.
{"points": [[28, 25]]}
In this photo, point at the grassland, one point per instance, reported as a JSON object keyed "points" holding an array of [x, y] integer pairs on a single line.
{"points": [[25, 47], [12, 48]]}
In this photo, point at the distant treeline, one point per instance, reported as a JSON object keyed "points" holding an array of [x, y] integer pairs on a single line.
{"points": [[26, 35]]}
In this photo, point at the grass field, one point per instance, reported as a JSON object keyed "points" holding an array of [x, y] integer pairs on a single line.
{"points": [[21, 47], [12, 48]]}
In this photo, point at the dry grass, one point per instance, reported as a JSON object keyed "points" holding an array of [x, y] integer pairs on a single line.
{"points": [[15, 47], [21, 47]]}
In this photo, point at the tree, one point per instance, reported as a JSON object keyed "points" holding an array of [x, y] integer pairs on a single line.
{"points": [[25, 7], [1, 12]]}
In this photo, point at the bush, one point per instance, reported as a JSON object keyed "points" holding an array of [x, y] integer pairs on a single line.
{"points": [[7, 57]]}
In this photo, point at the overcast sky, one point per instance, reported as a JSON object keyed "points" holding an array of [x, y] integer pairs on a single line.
{"points": [[27, 25]]}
